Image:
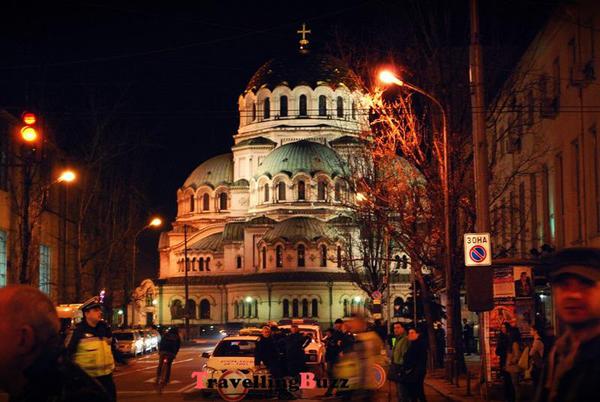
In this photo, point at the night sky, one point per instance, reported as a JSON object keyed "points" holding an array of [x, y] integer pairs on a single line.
{"points": [[179, 67]]}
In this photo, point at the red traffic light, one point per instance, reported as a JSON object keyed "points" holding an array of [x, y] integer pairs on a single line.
{"points": [[29, 118]]}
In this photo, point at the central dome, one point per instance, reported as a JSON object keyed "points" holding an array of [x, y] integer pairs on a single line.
{"points": [[303, 68], [302, 156]]}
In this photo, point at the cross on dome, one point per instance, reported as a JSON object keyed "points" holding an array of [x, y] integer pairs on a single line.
{"points": [[303, 32]]}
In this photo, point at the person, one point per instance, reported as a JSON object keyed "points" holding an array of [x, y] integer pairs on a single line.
{"points": [[513, 354], [399, 346], [267, 353], [415, 366], [467, 334], [440, 343], [333, 342], [32, 364], [536, 355], [572, 368], [523, 286], [295, 343], [347, 338], [90, 346], [380, 330], [502, 345], [168, 348]]}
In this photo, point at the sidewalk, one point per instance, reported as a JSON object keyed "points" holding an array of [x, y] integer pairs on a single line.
{"points": [[437, 381]]}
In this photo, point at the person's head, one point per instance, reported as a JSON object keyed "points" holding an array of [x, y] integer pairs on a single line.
{"points": [[523, 276], [398, 329], [174, 330], [536, 331], [92, 311], [294, 329], [29, 326], [266, 331], [329, 331], [575, 277], [505, 328], [413, 334], [356, 324], [464, 320], [339, 324]]}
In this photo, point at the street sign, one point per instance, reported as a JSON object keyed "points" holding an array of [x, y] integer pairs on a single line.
{"points": [[376, 294], [478, 250]]}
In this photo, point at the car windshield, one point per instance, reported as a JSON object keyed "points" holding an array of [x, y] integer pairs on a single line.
{"points": [[123, 336], [235, 348]]}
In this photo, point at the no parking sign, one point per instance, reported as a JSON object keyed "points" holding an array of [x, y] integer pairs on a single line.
{"points": [[478, 250]]}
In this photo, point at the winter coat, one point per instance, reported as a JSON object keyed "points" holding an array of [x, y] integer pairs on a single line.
{"points": [[415, 360], [170, 343], [294, 353], [267, 353], [333, 347]]}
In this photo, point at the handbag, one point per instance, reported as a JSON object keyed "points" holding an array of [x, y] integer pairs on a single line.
{"points": [[524, 359]]}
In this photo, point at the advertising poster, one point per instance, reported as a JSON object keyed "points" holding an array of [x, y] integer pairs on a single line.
{"points": [[504, 283], [525, 315], [523, 281]]}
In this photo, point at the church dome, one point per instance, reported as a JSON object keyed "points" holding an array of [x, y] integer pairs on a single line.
{"points": [[215, 171], [299, 229], [303, 68], [302, 156]]}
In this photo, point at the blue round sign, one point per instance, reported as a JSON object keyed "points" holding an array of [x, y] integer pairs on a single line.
{"points": [[477, 253]]}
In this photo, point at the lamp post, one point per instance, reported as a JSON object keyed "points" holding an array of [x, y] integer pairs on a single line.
{"points": [[389, 78], [154, 223], [186, 316]]}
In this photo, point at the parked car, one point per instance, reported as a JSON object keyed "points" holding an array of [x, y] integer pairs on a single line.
{"points": [[148, 342], [129, 341], [250, 331], [314, 352]]}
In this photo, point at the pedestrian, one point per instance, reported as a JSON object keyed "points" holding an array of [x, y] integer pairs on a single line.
{"points": [[399, 347], [90, 346], [536, 355], [168, 348], [502, 346], [512, 367], [267, 354], [415, 366], [333, 343], [32, 363], [572, 369], [295, 343], [467, 333], [440, 343], [347, 338], [380, 330]]}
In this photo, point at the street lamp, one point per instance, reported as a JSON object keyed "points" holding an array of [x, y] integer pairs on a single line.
{"points": [[388, 77], [66, 176], [154, 223]]}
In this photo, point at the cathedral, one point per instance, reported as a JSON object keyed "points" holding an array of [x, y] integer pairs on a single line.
{"points": [[258, 225]]}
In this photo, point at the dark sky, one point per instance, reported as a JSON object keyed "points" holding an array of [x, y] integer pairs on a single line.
{"points": [[181, 65]]}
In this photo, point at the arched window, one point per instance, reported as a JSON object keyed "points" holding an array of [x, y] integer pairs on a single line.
{"points": [[266, 191], [301, 190], [338, 191], [314, 308], [301, 251], [207, 263], [353, 110], [205, 202], [304, 308], [295, 308], [322, 105], [279, 256], [346, 312], [340, 106], [223, 201], [187, 264], [255, 308], [236, 310], [283, 106], [205, 310], [267, 108], [238, 262], [242, 309], [281, 191], [339, 256], [201, 264], [398, 303], [191, 203], [264, 257], [253, 111], [177, 309], [286, 308], [302, 106], [193, 264], [322, 191], [191, 309], [323, 255]]}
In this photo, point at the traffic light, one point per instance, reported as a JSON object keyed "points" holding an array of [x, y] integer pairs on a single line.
{"points": [[29, 130]]}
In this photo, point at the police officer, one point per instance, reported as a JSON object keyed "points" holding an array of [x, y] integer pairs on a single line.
{"points": [[90, 346]]}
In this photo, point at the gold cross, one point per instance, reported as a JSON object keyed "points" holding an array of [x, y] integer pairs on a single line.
{"points": [[303, 32]]}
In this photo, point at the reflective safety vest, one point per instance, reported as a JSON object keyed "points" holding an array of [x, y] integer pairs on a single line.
{"points": [[94, 356]]}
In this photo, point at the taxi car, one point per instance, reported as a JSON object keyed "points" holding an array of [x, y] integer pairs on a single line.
{"points": [[129, 341], [251, 331], [314, 352]]}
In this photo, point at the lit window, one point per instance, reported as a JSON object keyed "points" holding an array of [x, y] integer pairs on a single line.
{"points": [[301, 252], [44, 280], [279, 256]]}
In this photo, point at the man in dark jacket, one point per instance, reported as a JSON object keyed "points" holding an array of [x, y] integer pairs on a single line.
{"points": [[294, 351], [333, 348], [267, 353], [573, 366], [167, 350], [415, 366], [32, 367]]}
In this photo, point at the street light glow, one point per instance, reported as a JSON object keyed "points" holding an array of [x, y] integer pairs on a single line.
{"points": [[154, 302], [357, 299], [387, 77], [29, 134], [155, 222], [67, 176], [248, 299]]}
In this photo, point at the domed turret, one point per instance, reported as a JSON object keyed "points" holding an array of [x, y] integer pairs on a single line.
{"points": [[215, 171]]}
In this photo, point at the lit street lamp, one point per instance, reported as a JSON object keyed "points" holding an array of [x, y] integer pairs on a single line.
{"points": [[388, 77]]}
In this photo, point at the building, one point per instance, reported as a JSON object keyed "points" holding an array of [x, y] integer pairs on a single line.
{"points": [[258, 225]]}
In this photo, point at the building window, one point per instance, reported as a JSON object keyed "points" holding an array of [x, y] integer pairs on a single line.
{"points": [[560, 198], [177, 311], [267, 108], [346, 312], [201, 264], [323, 255], [322, 191], [577, 188], [314, 311], [238, 262], [191, 309], [193, 263], [301, 251], [253, 111], [301, 190], [304, 308], [322, 105], [522, 219], [191, 203], [264, 257], [295, 308], [353, 110], [281, 191], [44, 280], [279, 256], [3, 280], [205, 202], [340, 106], [302, 106], [338, 191], [286, 308], [242, 309], [283, 106], [236, 310], [205, 310], [548, 232], [207, 266], [223, 201], [255, 308], [339, 256], [266, 192], [533, 209]]}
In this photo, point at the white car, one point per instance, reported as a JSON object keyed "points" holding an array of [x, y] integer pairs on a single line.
{"points": [[251, 331], [314, 352], [129, 342]]}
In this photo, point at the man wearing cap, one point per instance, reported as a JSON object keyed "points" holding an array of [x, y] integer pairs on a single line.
{"points": [[573, 368], [90, 346]]}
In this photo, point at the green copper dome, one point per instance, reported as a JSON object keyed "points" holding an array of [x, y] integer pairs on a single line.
{"points": [[215, 171], [300, 228], [302, 156]]}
